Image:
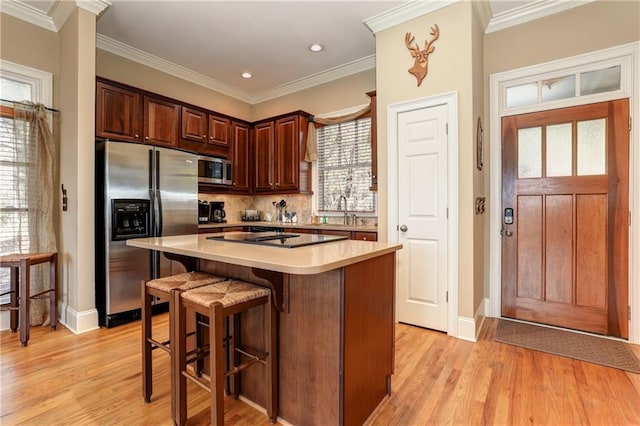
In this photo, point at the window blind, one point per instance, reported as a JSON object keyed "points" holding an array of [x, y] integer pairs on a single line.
{"points": [[344, 166], [14, 225]]}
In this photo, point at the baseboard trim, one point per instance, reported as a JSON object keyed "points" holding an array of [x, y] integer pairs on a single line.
{"points": [[469, 328], [80, 322]]}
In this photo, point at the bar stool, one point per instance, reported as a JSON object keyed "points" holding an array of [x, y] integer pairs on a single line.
{"points": [[161, 288], [218, 301], [20, 264]]}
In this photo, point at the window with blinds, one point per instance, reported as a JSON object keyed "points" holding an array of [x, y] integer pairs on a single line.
{"points": [[344, 167], [14, 223]]}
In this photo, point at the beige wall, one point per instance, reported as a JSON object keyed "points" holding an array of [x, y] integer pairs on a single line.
{"points": [[329, 97], [450, 69], [120, 69], [42, 53]]}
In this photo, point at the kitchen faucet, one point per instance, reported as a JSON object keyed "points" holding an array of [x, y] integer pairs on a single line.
{"points": [[342, 197]]}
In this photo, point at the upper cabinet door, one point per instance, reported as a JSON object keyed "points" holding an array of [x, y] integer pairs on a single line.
{"points": [[118, 113], [219, 142], [193, 129], [240, 151], [161, 122], [287, 151], [264, 156]]}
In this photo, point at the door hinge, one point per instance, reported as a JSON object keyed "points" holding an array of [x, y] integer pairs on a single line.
{"points": [[629, 217], [447, 127], [628, 312], [447, 212], [629, 123], [446, 296]]}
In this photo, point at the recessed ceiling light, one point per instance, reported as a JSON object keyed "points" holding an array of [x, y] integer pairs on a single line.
{"points": [[246, 75], [316, 47]]}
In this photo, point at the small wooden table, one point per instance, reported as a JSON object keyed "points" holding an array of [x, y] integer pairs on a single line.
{"points": [[20, 264]]}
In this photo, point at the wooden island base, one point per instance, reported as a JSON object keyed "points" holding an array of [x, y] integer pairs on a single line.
{"points": [[336, 342]]}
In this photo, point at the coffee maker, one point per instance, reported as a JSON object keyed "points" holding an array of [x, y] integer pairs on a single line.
{"points": [[217, 212], [204, 211]]}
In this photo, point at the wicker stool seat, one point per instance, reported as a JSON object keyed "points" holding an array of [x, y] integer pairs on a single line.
{"points": [[218, 301], [20, 290], [161, 288]]}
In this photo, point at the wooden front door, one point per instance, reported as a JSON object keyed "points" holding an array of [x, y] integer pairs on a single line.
{"points": [[565, 194]]}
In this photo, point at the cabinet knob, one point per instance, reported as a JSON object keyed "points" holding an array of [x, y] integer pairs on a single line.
{"points": [[146, 138], [211, 137], [136, 135], [277, 183], [204, 136]]}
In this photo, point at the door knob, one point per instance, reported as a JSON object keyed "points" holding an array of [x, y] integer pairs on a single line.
{"points": [[404, 228]]}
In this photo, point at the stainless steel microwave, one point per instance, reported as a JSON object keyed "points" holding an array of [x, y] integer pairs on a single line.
{"points": [[214, 170]]}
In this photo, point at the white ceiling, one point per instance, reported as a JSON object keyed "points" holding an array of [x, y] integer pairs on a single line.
{"points": [[213, 42]]}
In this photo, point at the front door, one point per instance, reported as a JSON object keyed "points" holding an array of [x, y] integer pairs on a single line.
{"points": [[422, 213], [565, 194]]}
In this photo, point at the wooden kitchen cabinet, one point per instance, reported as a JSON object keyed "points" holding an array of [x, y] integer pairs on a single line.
{"points": [[204, 132], [161, 122], [374, 142], [279, 165], [240, 156], [335, 232], [118, 113]]}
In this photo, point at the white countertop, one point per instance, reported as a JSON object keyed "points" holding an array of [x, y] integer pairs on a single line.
{"points": [[305, 260]]}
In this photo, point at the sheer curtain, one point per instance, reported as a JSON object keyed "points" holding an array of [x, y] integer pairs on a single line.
{"points": [[31, 151]]}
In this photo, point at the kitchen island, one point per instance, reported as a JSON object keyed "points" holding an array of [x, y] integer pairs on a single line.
{"points": [[336, 321]]}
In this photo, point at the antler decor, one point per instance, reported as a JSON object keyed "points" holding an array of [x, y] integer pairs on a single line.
{"points": [[420, 65]]}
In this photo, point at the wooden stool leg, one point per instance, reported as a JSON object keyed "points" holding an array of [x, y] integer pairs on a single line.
{"points": [[53, 295], [15, 295], [199, 343], [147, 367], [179, 359], [234, 356], [25, 320], [216, 364], [270, 326]]}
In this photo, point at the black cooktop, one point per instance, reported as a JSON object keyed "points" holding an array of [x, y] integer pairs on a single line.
{"points": [[276, 239]]}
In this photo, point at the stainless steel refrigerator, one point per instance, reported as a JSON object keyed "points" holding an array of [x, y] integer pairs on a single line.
{"points": [[141, 191]]}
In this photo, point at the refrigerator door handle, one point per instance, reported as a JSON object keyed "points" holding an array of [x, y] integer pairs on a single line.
{"points": [[159, 204], [158, 195]]}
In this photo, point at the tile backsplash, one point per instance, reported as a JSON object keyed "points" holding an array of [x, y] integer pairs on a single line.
{"points": [[299, 203]]}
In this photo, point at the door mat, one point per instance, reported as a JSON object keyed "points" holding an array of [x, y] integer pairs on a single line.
{"points": [[597, 350]]}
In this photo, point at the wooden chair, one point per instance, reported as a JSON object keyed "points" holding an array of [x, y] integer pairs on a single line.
{"points": [[161, 288], [20, 290], [218, 301]]}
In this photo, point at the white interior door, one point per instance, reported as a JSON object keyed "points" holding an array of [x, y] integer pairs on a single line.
{"points": [[422, 215]]}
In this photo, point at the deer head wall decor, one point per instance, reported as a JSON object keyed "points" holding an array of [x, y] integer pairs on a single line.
{"points": [[420, 66]]}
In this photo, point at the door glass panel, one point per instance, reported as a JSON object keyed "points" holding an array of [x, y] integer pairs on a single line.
{"points": [[559, 88], [604, 80], [530, 152], [526, 94], [591, 147], [559, 150]]}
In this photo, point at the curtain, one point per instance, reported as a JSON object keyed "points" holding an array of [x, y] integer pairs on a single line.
{"points": [[312, 142], [33, 167]]}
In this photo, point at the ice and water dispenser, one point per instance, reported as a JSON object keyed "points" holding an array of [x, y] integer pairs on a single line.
{"points": [[129, 219]]}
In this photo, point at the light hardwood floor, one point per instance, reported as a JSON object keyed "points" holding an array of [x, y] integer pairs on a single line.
{"points": [[94, 379]]}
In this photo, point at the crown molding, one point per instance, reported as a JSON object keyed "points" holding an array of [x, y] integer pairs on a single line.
{"points": [[353, 67], [483, 10], [144, 58], [94, 6], [58, 14], [529, 12], [404, 13], [27, 13]]}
